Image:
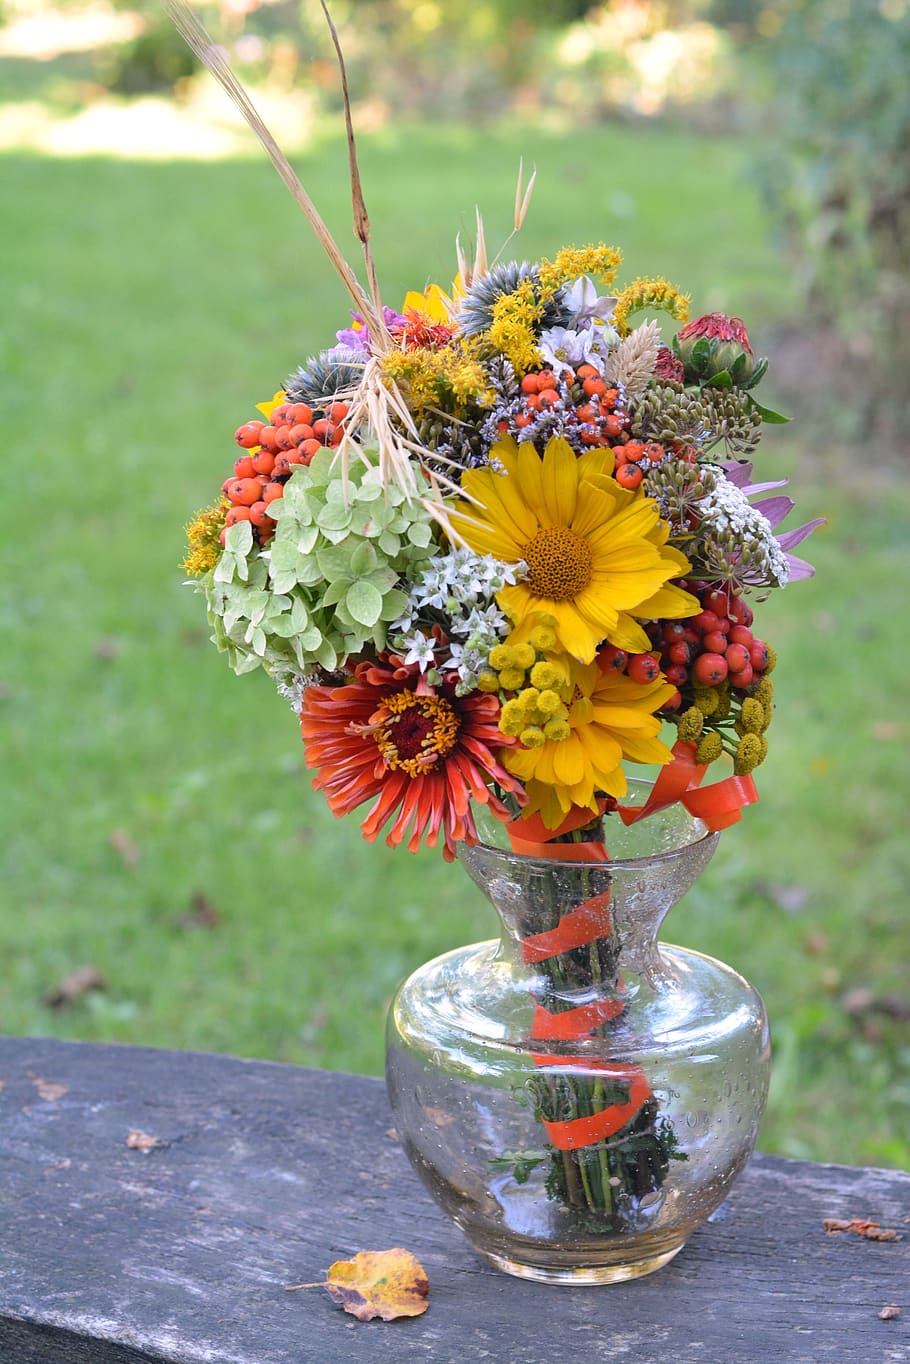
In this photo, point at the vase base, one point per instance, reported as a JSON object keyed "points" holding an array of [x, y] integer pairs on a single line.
{"points": [[580, 1276]]}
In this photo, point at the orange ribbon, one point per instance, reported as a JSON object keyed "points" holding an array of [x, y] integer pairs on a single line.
{"points": [[530, 837], [577, 1132], [718, 805], [571, 1024], [580, 926]]}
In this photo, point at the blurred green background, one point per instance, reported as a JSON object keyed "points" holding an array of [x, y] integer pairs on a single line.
{"points": [[158, 827]]}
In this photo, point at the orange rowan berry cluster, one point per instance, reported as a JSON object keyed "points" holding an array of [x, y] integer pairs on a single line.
{"points": [[576, 404], [292, 436], [579, 405]]}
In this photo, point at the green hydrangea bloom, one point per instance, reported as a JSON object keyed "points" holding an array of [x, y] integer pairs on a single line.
{"points": [[328, 583]]}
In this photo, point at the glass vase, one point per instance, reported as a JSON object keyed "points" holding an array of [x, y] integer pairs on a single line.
{"points": [[578, 1096]]}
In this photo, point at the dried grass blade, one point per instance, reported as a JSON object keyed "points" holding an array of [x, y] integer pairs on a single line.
{"points": [[480, 254], [522, 213], [379, 337], [212, 57]]}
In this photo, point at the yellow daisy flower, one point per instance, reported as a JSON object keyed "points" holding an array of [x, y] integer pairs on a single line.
{"points": [[610, 721], [597, 554]]}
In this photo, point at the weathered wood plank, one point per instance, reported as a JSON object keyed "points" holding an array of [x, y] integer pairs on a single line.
{"points": [[266, 1174]]}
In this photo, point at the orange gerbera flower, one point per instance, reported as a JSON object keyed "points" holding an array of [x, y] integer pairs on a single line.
{"points": [[421, 751]]}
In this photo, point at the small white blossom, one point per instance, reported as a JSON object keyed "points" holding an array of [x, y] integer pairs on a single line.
{"points": [[591, 345], [420, 650], [292, 688], [584, 303]]}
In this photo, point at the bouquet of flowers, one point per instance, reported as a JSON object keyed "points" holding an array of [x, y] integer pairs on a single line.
{"points": [[499, 585]]}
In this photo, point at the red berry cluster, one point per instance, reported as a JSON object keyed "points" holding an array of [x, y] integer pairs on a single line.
{"points": [[292, 436], [641, 668], [713, 647]]}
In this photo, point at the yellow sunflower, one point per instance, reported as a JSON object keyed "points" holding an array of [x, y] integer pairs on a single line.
{"points": [[597, 554], [610, 720]]}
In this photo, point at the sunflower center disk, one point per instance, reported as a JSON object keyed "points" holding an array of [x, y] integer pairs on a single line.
{"points": [[418, 731], [559, 563]]}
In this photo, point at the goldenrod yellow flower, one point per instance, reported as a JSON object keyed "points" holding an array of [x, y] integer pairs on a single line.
{"points": [[599, 261], [597, 554], [649, 293], [204, 538], [515, 327]]}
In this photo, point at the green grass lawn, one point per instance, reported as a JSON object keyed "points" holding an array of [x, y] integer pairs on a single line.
{"points": [[148, 307]]}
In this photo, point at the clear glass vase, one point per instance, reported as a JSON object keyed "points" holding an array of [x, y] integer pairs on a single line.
{"points": [[577, 1096]]}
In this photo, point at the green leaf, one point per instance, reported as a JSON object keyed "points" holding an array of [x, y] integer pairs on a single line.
{"points": [[336, 591], [768, 414], [721, 379], [307, 538], [369, 490], [282, 626], [739, 367], [701, 354], [239, 538], [334, 562], [363, 560], [364, 602], [393, 604], [300, 616], [326, 655], [420, 534], [761, 367], [389, 543]]}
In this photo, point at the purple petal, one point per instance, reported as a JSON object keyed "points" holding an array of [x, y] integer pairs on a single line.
{"points": [[799, 568], [774, 509], [794, 537], [738, 471], [765, 487]]}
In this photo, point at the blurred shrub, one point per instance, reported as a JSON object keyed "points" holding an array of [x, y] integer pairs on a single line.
{"points": [[157, 60], [447, 59], [836, 174], [640, 57]]}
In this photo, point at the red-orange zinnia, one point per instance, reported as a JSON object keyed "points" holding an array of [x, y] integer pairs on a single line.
{"points": [[422, 751]]}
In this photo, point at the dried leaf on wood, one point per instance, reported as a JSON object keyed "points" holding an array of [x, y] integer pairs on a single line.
{"points": [[141, 1141], [861, 1226], [74, 986], [48, 1090], [380, 1283]]}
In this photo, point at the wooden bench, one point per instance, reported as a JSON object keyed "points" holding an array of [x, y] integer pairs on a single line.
{"points": [[264, 1174]]}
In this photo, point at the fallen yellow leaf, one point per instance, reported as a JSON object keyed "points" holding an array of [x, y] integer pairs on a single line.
{"points": [[380, 1283]]}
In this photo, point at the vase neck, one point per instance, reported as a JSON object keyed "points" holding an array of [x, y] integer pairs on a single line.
{"points": [[571, 921], [587, 923]]}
